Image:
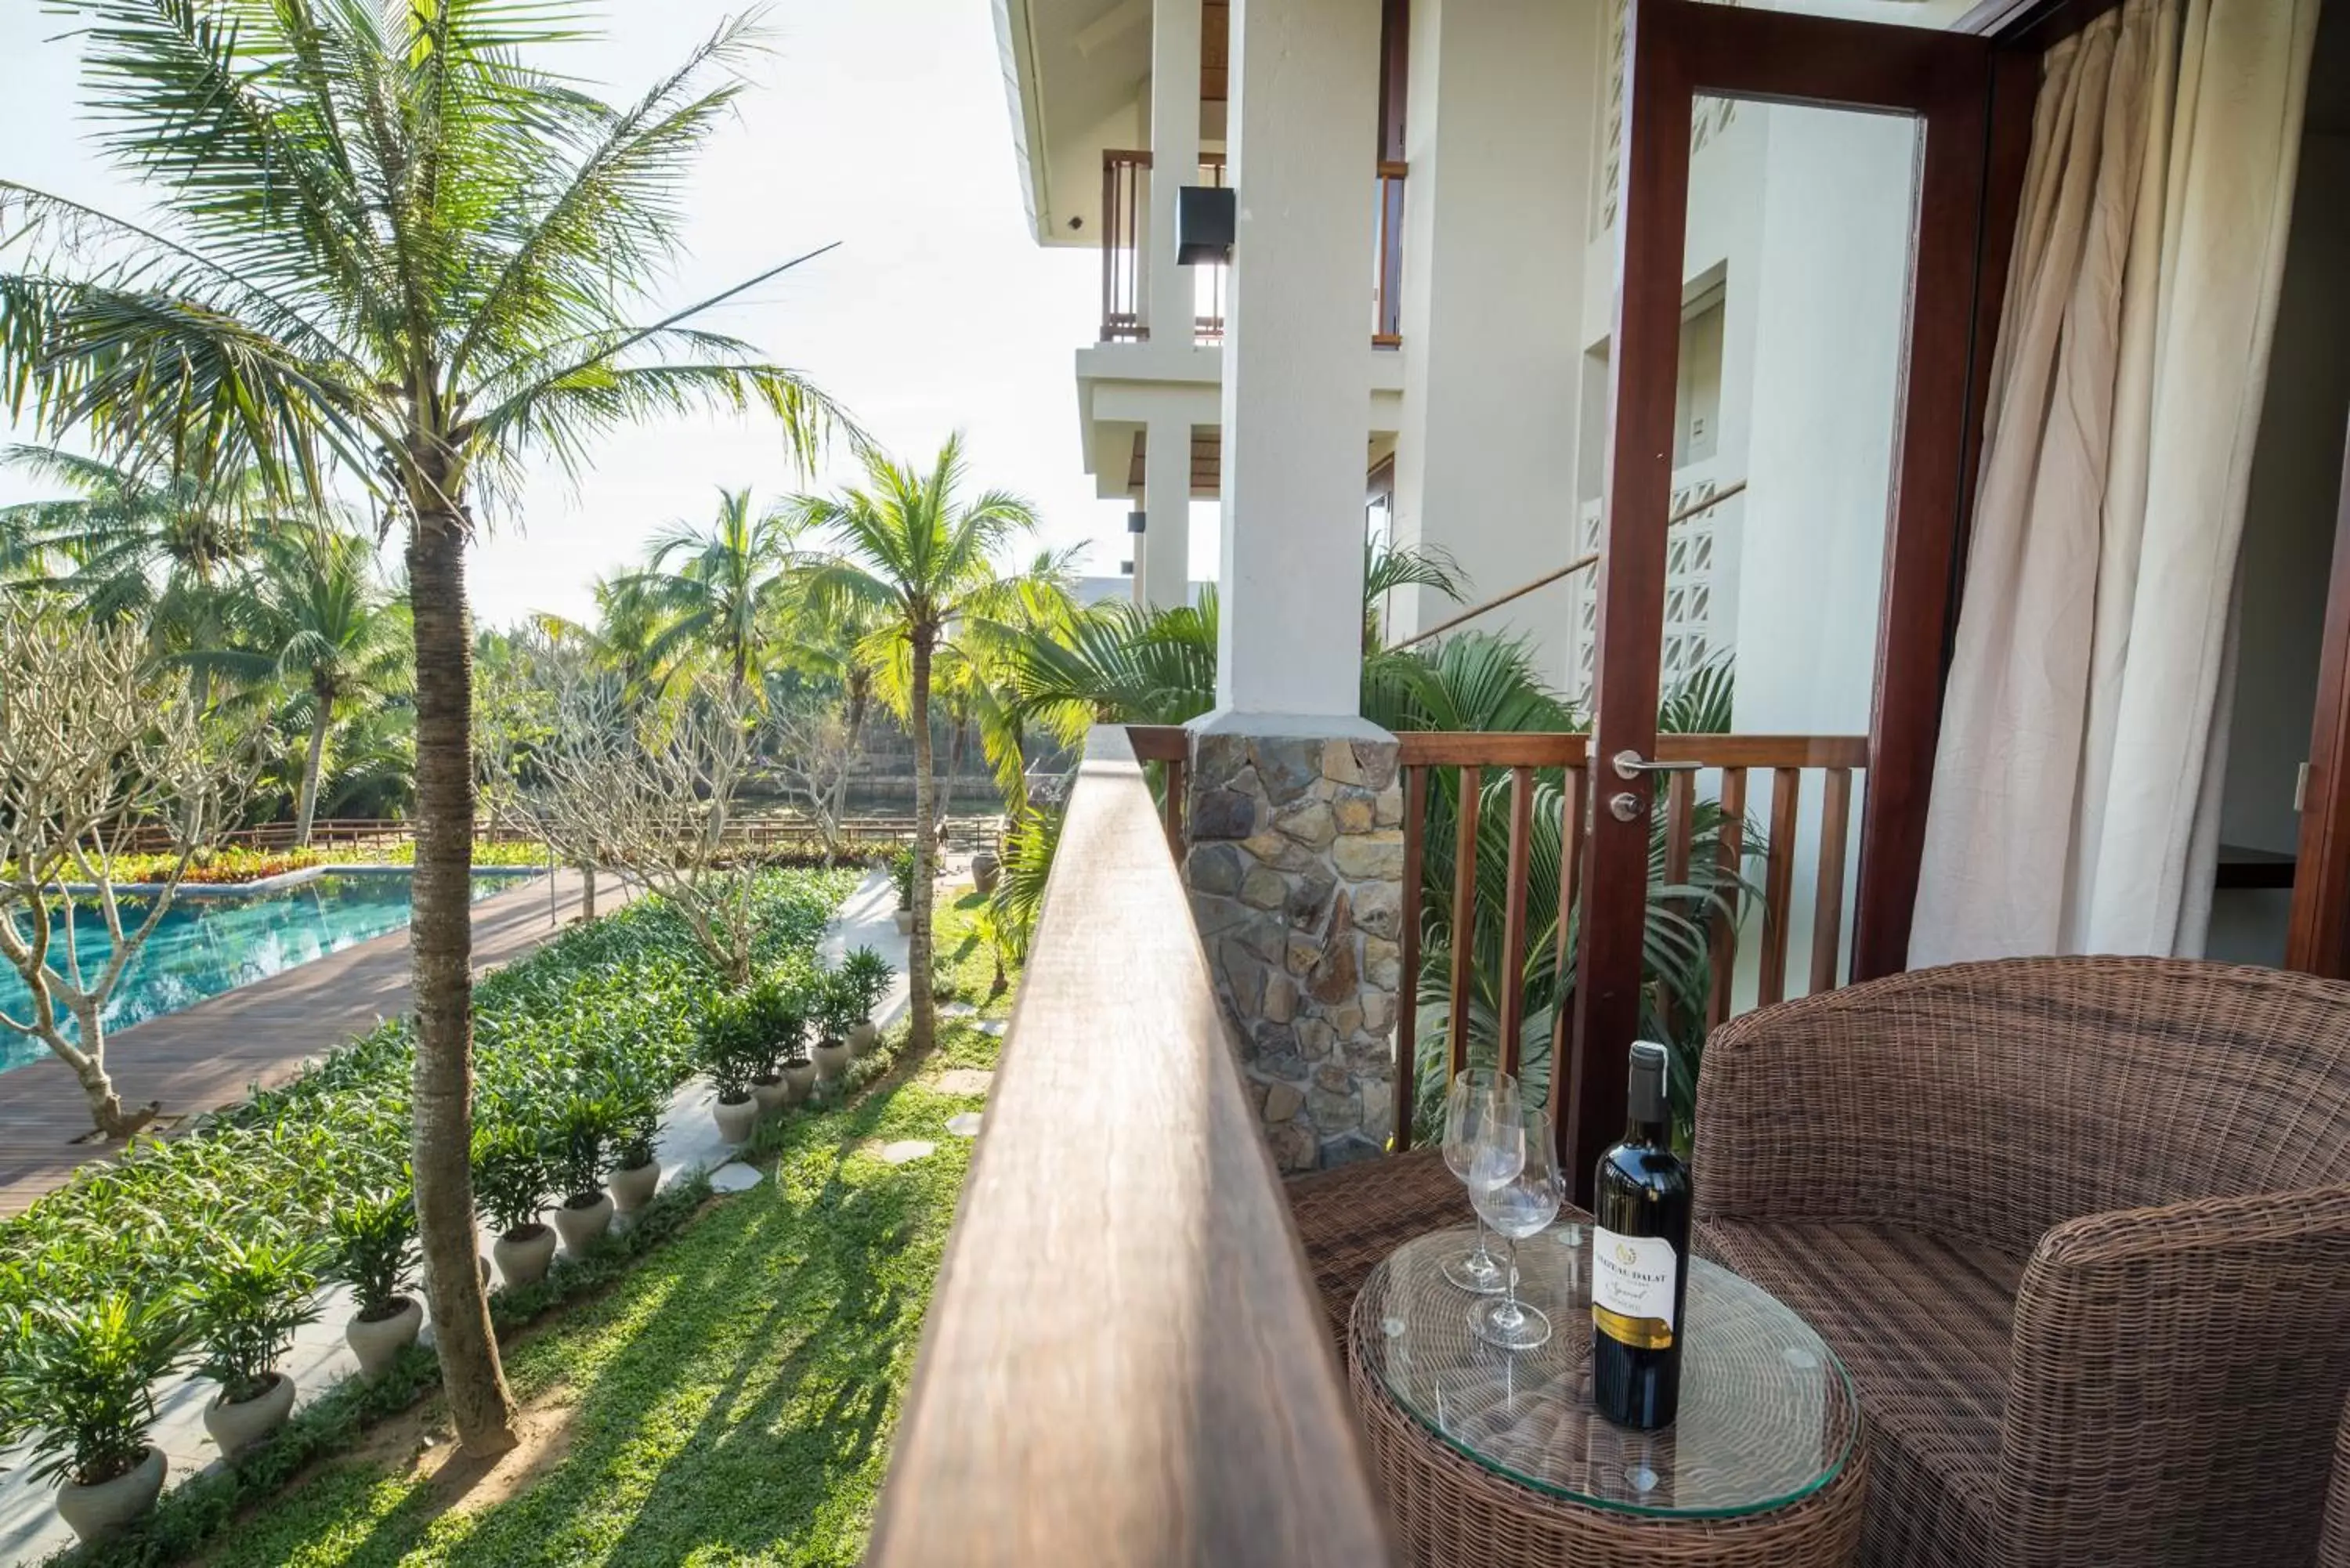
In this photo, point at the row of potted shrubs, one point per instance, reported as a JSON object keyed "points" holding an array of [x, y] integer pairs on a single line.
{"points": [[577, 1139]]}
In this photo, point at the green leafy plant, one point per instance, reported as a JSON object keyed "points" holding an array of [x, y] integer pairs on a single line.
{"points": [[579, 1146], [245, 1300], [77, 1377], [513, 1180], [868, 974], [776, 1015], [375, 1250], [902, 877], [733, 1048], [641, 1097], [840, 1007]]}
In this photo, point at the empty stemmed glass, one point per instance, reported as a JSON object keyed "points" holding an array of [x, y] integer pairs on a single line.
{"points": [[1518, 1205], [1480, 1104]]}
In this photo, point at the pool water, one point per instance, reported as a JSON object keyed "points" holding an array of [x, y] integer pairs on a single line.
{"points": [[210, 944]]}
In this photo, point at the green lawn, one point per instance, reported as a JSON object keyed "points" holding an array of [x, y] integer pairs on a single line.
{"points": [[729, 1402]]}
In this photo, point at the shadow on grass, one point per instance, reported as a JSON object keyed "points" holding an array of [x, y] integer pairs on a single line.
{"points": [[728, 1400]]}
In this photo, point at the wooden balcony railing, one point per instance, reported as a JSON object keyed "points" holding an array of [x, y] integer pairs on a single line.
{"points": [[1532, 781], [1125, 1363], [1126, 199]]}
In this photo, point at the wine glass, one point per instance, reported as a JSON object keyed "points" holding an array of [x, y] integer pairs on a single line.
{"points": [[1519, 1205], [1479, 1104]]}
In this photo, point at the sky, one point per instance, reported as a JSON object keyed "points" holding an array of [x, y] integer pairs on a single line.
{"points": [[880, 124]]}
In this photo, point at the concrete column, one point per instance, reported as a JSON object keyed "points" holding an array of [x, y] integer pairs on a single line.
{"points": [[1304, 117], [1163, 553], [1496, 211], [1174, 164]]}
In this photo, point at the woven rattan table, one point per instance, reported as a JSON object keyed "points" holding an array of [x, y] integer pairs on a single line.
{"points": [[1492, 1458]]}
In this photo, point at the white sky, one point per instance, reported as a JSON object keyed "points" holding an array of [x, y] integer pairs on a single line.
{"points": [[878, 123]]}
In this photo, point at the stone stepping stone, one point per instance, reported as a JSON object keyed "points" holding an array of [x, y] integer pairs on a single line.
{"points": [[963, 1124], [905, 1151], [958, 1010], [963, 1082], [995, 1026], [736, 1177]]}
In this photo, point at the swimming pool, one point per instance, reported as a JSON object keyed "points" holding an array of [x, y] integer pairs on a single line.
{"points": [[215, 942]]}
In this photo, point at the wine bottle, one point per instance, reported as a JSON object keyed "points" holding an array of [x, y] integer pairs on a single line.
{"points": [[1640, 1258]]}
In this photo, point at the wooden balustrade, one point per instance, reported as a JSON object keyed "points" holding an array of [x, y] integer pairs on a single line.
{"points": [[1125, 1363], [1476, 760], [1125, 204], [758, 832]]}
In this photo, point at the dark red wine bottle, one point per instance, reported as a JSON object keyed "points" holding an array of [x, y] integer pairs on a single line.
{"points": [[1640, 1258]]}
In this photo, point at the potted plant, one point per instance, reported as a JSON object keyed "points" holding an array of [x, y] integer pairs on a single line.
{"points": [[986, 867], [868, 974], [837, 1013], [729, 1056], [244, 1301], [580, 1154], [901, 874], [77, 1377], [769, 1026], [636, 1168], [512, 1184], [799, 1068], [376, 1255]]}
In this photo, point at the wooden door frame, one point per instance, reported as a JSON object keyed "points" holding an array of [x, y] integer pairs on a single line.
{"points": [[1675, 50], [2318, 940]]}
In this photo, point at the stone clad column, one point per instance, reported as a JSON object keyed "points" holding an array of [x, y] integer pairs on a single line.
{"points": [[1295, 861], [1296, 868]]}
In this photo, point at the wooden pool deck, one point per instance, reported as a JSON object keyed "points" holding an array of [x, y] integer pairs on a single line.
{"points": [[212, 1055]]}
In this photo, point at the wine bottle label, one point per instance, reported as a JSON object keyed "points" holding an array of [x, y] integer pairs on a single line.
{"points": [[1632, 1280]]}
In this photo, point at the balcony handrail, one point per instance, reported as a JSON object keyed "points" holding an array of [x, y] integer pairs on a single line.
{"points": [[1125, 1363]]}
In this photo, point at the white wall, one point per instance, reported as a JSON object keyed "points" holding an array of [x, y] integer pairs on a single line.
{"points": [[1497, 137]]}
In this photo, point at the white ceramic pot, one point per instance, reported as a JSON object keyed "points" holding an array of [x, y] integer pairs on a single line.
{"points": [[581, 1224], [831, 1061], [379, 1342], [799, 1081], [633, 1186], [95, 1513], [905, 919], [240, 1427], [736, 1119], [524, 1256], [769, 1096], [863, 1038]]}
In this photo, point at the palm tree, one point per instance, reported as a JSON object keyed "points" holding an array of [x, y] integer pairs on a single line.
{"points": [[728, 594], [917, 561], [626, 639], [396, 247], [314, 615], [129, 548]]}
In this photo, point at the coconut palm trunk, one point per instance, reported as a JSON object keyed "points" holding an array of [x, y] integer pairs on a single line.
{"points": [[441, 940], [323, 716], [919, 942]]}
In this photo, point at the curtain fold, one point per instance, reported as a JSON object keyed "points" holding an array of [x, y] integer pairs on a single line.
{"points": [[2075, 790]]}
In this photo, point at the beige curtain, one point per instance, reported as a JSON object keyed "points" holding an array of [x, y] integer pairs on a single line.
{"points": [[2075, 797]]}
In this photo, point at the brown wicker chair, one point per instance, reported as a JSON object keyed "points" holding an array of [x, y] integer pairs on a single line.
{"points": [[1351, 1218], [2081, 1229]]}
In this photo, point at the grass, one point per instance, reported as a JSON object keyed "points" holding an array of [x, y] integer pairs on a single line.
{"points": [[729, 1401]]}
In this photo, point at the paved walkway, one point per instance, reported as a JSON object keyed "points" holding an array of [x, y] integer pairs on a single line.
{"points": [[29, 1526], [216, 1053]]}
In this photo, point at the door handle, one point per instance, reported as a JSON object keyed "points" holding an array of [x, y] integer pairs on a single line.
{"points": [[1630, 764]]}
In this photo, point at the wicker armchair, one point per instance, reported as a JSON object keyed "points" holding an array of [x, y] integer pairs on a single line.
{"points": [[2081, 1229]]}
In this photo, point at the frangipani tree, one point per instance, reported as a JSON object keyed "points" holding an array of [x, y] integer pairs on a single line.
{"points": [[96, 744], [397, 249]]}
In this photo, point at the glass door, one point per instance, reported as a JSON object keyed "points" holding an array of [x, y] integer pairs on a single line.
{"points": [[1792, 371]]}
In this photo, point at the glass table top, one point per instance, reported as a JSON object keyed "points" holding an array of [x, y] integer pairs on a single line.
{"points": [[1766, 1417]]}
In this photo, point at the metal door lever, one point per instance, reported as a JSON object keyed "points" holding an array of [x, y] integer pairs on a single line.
{"points": [[1630, 764]]}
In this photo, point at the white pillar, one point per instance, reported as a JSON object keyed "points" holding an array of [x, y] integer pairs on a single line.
{"points": [[1303, 118], [1163, 553], [1495, 213], [1174, 164]]}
